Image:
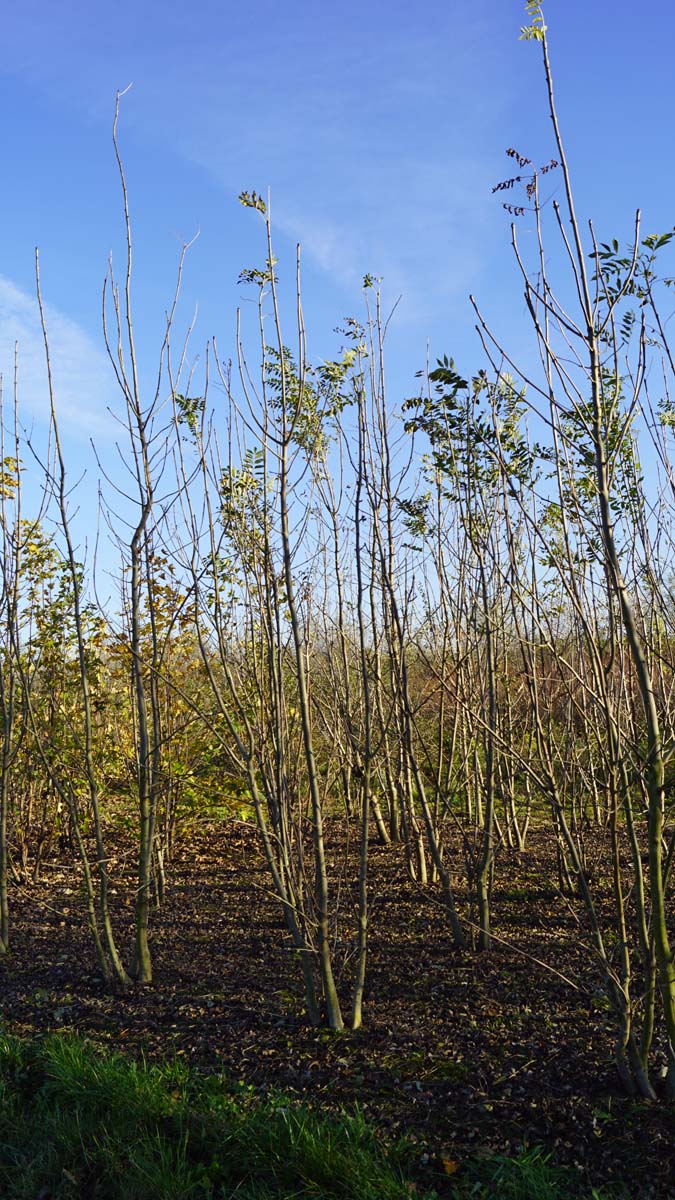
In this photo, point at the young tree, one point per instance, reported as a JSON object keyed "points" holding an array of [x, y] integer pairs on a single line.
{"points": [[590, 401], [12, 706]]}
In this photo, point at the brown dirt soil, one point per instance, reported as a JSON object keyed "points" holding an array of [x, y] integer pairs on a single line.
{"points": [[464, 1052]]}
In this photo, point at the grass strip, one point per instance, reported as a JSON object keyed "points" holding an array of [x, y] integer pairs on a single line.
{"points": [[80, 1125]]}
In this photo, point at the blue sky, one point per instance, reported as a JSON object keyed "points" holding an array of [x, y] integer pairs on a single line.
{"points": [[379, 127]]}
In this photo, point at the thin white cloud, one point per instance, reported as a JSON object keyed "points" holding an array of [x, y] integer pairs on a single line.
{"points": [[377, 145], [419, 227], [334, 247], [83, 384]]}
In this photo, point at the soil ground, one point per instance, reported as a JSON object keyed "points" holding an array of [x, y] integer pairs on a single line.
{"points": [[465, 1053]]}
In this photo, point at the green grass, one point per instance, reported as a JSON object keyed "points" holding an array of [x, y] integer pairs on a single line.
{"points": [[78, 1125], [529, 1176]]}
